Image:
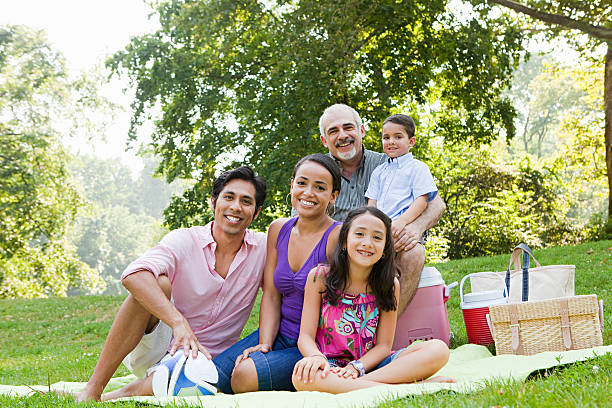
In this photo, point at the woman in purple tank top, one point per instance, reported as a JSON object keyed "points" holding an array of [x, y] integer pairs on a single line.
{"points": [[264, 360]]}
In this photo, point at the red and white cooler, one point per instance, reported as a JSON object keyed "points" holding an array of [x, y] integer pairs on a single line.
{"points": [[425, 318], [475, 308]]}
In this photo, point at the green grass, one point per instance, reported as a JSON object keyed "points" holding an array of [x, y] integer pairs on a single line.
{"points": [[49, 340]]}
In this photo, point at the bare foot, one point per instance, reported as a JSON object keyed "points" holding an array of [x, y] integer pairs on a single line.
{"points": [[440, 379], [84, 396]]}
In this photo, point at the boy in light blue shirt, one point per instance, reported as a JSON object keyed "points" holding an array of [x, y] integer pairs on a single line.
{"points": [[402, 186]]}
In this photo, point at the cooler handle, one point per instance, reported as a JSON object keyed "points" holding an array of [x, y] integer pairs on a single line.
{"points": [[448, 288], [481, 273]]}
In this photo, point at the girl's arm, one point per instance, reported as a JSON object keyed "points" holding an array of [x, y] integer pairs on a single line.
{"points": [[384, 340], [269, 309], [314, 360]]}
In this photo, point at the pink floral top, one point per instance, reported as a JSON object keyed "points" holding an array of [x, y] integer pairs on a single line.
{"points": [[347, 331]]}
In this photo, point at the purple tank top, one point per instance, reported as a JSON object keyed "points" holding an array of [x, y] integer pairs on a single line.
{"points": [[290, 285]]}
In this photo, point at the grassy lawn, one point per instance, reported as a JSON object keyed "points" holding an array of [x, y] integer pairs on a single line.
{"points": [[49, 340]]}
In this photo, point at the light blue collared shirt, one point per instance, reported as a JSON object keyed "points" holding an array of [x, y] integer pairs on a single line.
{"points": [[396, 183]]}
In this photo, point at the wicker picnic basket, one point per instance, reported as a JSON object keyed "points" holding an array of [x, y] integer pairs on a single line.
{"points": [[559, 324]]}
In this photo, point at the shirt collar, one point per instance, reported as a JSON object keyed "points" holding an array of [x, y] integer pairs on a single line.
{"points": [[206, 238], [361, 165], [402, 160]]}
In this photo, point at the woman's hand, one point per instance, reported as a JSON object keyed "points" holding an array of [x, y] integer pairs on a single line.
{"points": [[306, 369], [263, 347], [346, 372]]}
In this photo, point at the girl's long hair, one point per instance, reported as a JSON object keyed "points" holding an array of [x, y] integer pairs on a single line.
{"points": [[381, 279]]}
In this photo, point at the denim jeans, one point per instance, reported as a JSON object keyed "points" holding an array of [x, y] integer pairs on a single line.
{"points": [[274, 368], [383, 363]]}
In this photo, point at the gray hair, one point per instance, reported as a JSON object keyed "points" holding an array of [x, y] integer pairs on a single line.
{"points": [[334, 107]]}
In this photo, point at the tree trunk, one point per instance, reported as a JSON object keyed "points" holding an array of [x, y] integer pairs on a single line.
{"points": [[608, 126]]}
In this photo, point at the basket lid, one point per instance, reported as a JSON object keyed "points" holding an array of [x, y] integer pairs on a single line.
{"points": [[430, 276]]}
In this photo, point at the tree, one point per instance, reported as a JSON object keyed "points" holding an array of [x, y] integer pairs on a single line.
{"points": [[544, 91], [122, 217], [246, 81], [593, 18], [37, 199]]}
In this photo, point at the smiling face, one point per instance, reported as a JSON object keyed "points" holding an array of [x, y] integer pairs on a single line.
{"points": [[235, 207], [365, 241], [343, 135], [395, 140], [311, 189]]}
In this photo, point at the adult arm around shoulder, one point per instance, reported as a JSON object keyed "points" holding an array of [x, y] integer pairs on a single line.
{"points": [[428, 218]]}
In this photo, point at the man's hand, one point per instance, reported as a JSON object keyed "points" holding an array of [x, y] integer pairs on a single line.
{"points": [[407, 238], [184, 337], [263, 347]]}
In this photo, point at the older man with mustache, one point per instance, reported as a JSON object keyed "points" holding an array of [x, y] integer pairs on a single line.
{"points": [[342, 132]]}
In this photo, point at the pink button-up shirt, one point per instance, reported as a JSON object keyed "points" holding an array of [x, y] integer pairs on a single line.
{"points": [[217, 309]]}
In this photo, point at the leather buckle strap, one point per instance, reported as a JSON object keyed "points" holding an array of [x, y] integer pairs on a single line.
{"points": [[565, 324], [517, 346]]}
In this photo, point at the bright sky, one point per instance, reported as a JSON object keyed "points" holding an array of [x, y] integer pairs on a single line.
{"points": [[86, 32]]}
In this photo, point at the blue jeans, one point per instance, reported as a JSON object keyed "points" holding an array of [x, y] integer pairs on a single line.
{"points": [[274, 368], [383, 363]]}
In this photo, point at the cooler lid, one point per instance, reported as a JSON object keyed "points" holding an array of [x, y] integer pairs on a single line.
{"points": [[430, 276], [486, 296]]}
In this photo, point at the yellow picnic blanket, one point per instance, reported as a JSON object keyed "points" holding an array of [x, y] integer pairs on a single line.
{"points": [[470, 365]]}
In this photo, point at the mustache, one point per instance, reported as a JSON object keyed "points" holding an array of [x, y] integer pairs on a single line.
{"points": [[345, 140]]}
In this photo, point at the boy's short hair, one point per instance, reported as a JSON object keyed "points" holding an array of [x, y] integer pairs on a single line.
{"points": [[404, 120]]}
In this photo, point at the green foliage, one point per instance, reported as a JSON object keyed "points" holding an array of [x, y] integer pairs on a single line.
{"points": [[246, 81], [544, 92], [591, 31], [492, 206], [122, 217], [592, 13], [37, 199]]}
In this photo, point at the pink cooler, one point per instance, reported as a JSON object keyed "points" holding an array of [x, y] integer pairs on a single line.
{"points": [[425, 318]]}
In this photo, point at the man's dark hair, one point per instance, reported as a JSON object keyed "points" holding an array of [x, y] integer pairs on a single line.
{"points": [[404, 120], [242, 173]]}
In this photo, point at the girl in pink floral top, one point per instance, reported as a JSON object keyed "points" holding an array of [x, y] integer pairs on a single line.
{"points": [[349, 316]]}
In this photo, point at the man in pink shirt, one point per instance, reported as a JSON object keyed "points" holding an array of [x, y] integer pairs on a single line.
{"points": [[198, 284]]}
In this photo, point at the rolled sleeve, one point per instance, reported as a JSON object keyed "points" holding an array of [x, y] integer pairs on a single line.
{"points": [[373, 190], [161, 259]]}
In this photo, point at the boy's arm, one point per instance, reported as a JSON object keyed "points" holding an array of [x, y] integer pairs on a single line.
{"points": [[415, 209], [371, 202], [411, 234]]}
